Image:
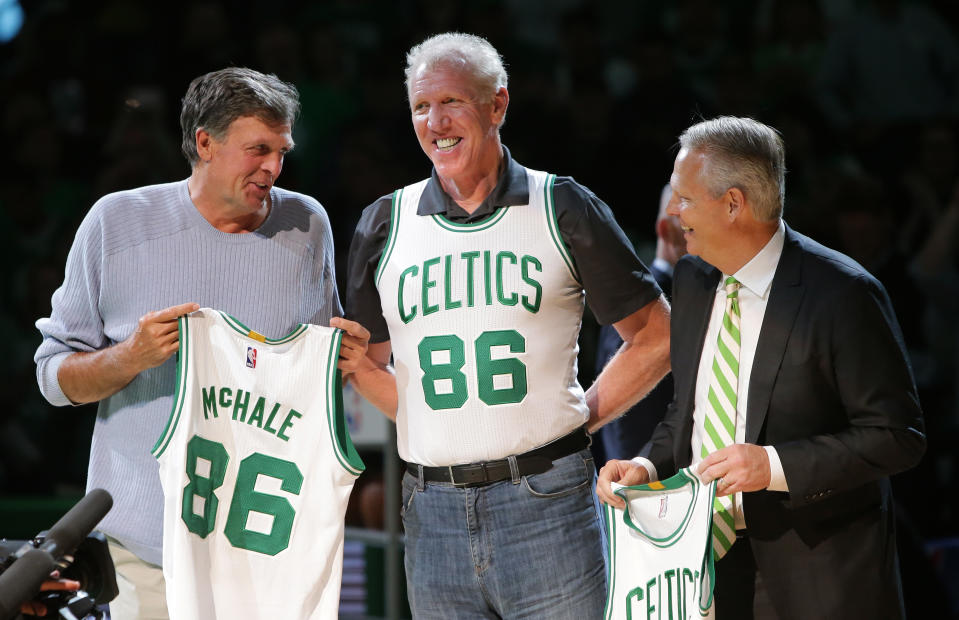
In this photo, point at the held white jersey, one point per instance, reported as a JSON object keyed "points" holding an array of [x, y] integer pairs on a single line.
{"points": [[257, 467], [660, 546], [483, 321]]}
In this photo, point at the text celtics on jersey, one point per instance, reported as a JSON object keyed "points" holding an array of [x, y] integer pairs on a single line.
{"points": [[476, 277]]}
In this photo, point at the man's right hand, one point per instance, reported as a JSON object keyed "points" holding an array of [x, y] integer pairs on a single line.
{"points": [[627, 473], [156, 337], [86, 377]]}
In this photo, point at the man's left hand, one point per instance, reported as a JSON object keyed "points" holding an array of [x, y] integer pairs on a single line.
{"points": [[739, 467], [353, 345]]}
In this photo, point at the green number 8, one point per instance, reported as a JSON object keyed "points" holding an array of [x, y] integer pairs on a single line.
{"points": [[245, 499], [486, 369]]}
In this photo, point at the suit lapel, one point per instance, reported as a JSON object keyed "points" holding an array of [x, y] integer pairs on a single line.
{"points": [[690, 320], [784, 299]]}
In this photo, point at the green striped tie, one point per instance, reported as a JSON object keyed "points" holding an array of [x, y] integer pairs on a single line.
{"points": [[720, 419]]}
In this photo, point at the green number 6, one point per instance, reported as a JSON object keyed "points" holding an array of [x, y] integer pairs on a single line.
{"points": [[245, 499], [450, 372]]}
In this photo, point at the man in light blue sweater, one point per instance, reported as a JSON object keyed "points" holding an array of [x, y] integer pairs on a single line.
{"points": [[225, 238]]}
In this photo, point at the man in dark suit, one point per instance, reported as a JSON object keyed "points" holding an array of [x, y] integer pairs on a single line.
{"points": [[825, 405], [623, 437]]}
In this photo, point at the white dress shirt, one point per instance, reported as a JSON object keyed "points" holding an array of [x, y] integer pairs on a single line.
{"points": [[756, 277]]}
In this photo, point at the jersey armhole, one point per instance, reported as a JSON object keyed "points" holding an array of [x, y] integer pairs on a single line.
{"points": [[182, 368], [343, 446], [391, 236], [554, 228]]}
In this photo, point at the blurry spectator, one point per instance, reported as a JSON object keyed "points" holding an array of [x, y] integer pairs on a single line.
{"points": [[891, 61], [929, 179], [138, 149], [699, 33], [789, 48]]}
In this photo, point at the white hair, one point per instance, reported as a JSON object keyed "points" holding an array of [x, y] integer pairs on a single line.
{"points": [[474, 54]]}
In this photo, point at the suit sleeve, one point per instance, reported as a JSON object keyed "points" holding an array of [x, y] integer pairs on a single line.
{"points": [[877, 425]]}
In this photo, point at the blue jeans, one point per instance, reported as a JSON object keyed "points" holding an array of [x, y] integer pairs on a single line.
{"points": [[531, 547]]}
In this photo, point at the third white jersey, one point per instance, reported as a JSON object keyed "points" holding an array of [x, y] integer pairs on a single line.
{"points": [[660, 550], [257, 467], [483, 320]]}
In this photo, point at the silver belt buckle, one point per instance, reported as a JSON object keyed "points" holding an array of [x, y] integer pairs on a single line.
{"points": [[453, 481]]}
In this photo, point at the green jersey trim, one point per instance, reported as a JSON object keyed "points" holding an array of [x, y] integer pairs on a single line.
{"points": [[182, 364], [554, 228], [680, 480], [391, 236], [339, 430], [610, 516], [497, 215], [240, 328]]}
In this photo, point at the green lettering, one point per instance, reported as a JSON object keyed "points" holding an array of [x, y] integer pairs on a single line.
{"points": [[240, 403], [532, 306], [650, 608], [257, 416], [687, 574], [512, 299], [487, 276], [669, 590], [226, 397], [269, 421], [287, 423], [427, 285], [412, 271], [635, 593], [470, 257], [209, 402], [448, 285]]}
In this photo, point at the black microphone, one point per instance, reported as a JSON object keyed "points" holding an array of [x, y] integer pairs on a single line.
{"points": [[22, 579], [67, 533]]}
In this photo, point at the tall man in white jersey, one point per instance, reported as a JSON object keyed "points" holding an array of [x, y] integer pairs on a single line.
{"points": [[226, 237], [474, 281]]}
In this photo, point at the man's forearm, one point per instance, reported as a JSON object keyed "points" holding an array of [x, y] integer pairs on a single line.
{"points": [[87, 377], [376, 382], [641, 362]]}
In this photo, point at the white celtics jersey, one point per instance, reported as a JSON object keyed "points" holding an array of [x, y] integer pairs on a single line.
{"points": [[660, 550], [483, 321], [257, 467]]}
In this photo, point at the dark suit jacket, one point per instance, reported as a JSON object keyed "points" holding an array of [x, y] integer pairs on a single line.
{"points": [[831, 389]]}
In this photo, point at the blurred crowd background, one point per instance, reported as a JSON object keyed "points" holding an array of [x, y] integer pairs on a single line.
{"points": [[865, 93]]}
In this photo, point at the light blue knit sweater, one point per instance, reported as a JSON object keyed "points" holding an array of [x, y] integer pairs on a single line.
{"points": [[147, 249]]}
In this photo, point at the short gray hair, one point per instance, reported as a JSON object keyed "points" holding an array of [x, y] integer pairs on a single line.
{"points": [[742, 153], [214, 100], [473, 53]]}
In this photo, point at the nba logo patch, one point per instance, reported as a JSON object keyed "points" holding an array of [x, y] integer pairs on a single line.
{"points": [[251, 357]]}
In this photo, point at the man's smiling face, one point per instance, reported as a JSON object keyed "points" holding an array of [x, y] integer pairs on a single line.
{"points": [[456, 126]]}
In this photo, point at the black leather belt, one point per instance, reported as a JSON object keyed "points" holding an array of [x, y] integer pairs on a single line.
{"points": [[536, 461]]}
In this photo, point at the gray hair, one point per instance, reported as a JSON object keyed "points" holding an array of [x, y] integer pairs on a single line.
{"points": [[474, 54], [214, 100], [742, 153]]}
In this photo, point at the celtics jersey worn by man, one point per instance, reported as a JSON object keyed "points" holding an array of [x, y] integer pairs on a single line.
{"points": [[483, 321], [257, 466], [660, 550]]}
